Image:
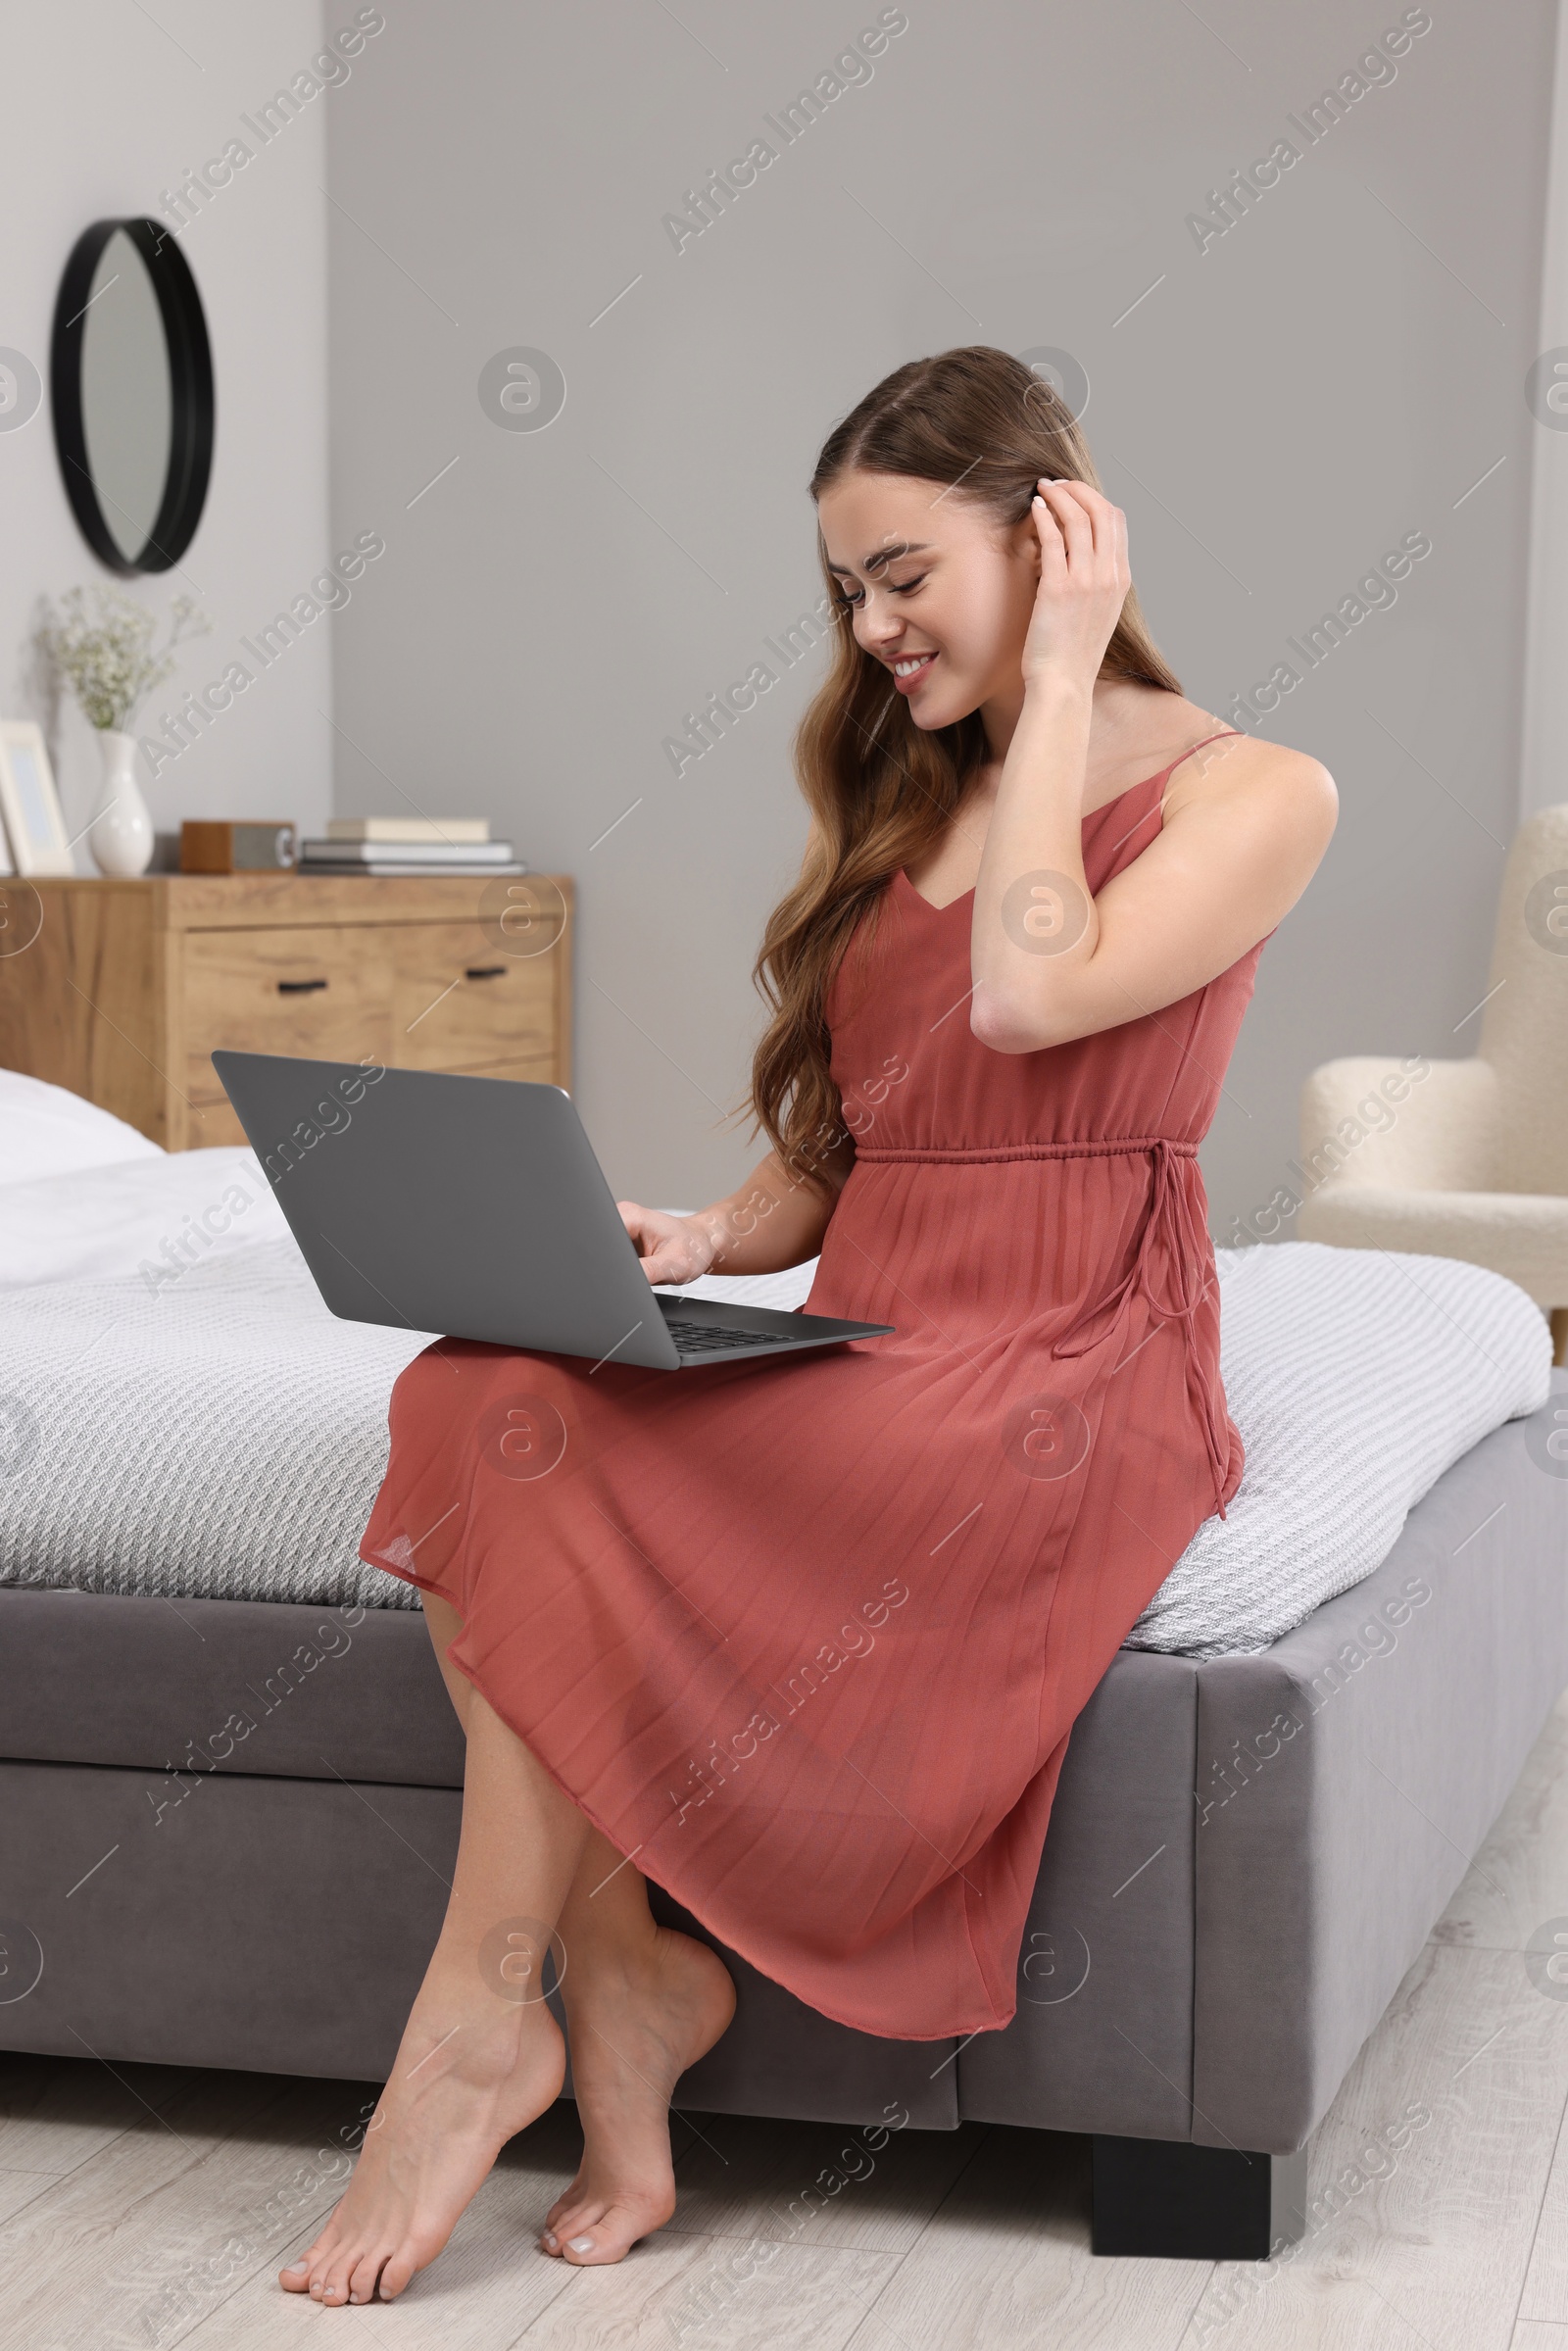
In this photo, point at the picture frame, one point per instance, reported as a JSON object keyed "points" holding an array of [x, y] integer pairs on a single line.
{"points": [[29, 804]]}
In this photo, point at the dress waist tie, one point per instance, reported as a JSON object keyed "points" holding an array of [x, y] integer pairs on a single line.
{"points": [[1172, 1221]]}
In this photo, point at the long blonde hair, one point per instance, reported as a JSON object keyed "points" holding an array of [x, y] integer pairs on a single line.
{"points": [[880, 789]]}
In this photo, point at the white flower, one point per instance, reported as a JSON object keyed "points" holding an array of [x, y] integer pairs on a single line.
{"points": [[110, 663]]}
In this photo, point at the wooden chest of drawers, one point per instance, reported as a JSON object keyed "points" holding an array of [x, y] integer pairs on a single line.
{"points": [[123, 989]]}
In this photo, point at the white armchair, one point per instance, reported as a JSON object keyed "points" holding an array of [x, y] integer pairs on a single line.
{"points": [[1465, 1158]]}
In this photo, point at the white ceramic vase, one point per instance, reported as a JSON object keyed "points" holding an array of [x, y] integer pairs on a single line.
{"points": [[120, 834]]}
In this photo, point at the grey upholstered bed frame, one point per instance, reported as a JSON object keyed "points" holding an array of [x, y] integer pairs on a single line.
{"points": [[1245, 1856]]}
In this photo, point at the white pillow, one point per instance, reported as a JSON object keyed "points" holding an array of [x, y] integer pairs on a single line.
{"points": [[45, 1131], [155, 1217]]}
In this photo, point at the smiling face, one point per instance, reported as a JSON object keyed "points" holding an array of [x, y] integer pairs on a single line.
{"points": [[941, 592]]}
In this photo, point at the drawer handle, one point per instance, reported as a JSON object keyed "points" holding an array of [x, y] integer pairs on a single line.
{"points": [[485, 971], [299, 986]]}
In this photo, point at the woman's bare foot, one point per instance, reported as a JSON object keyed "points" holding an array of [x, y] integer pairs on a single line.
{"points": [[471, 2071], [636, 2023]]}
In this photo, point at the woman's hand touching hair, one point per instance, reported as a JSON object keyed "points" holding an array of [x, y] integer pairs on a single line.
{"points": [[1083, 582]]}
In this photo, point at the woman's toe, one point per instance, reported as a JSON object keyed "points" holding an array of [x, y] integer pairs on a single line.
{"points": [[564, 2205], [396, 2271], [366, 2275], [611, 2233], [620, 2226], [574, 2218], [304, 2272], [579, 2232], [335, 2275]]}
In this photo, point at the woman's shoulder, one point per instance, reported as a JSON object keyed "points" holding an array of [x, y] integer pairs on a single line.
{"points": [[1239, 773]]}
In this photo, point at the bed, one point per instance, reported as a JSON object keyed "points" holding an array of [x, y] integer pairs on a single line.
{"points": [[230, 1777]]}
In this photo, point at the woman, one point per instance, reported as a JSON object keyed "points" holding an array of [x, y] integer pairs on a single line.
{"points": [[806, 1642]]}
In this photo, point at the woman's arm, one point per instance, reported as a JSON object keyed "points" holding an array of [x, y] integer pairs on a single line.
{"points": [[773, 1221], [1236, 850]]}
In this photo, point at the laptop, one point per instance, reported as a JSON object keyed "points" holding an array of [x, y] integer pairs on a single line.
{"points": [[475, 1208]]}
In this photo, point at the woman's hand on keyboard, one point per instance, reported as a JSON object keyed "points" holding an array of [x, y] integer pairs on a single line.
{"points": [[673, 1249], [775, 1220]]}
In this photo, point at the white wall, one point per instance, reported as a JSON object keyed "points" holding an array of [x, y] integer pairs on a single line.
{"points": [[107, 108], [1544, 764], [1339, 370]]}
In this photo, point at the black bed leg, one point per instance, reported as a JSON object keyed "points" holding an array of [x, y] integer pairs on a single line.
{"points": [[1167, 2198]]}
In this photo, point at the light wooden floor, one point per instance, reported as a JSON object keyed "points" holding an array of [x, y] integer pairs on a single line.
{"points": [[148, 2207]]}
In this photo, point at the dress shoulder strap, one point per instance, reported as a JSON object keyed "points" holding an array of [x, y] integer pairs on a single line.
{"points": [[1207, 739]]}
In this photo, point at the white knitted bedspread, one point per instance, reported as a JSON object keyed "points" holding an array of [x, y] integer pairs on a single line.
{"points": [[222, 1435]]}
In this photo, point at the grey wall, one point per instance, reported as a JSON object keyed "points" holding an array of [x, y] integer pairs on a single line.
{"points": [[109, 108], [1339, 368]]}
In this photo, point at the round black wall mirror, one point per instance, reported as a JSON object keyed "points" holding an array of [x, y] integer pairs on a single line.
{"points": [[131, 384]]}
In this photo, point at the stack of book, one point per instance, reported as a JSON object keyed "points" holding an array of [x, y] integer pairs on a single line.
{"points": [[394, 844]]}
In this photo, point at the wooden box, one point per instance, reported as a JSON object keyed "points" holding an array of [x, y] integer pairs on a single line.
{"points": [[127, 987]]}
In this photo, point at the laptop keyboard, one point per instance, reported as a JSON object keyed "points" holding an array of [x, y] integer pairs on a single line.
{"points": [[715, 1337]]}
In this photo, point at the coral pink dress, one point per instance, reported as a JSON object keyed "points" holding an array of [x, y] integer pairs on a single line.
{"points": [[807, 1639]]}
